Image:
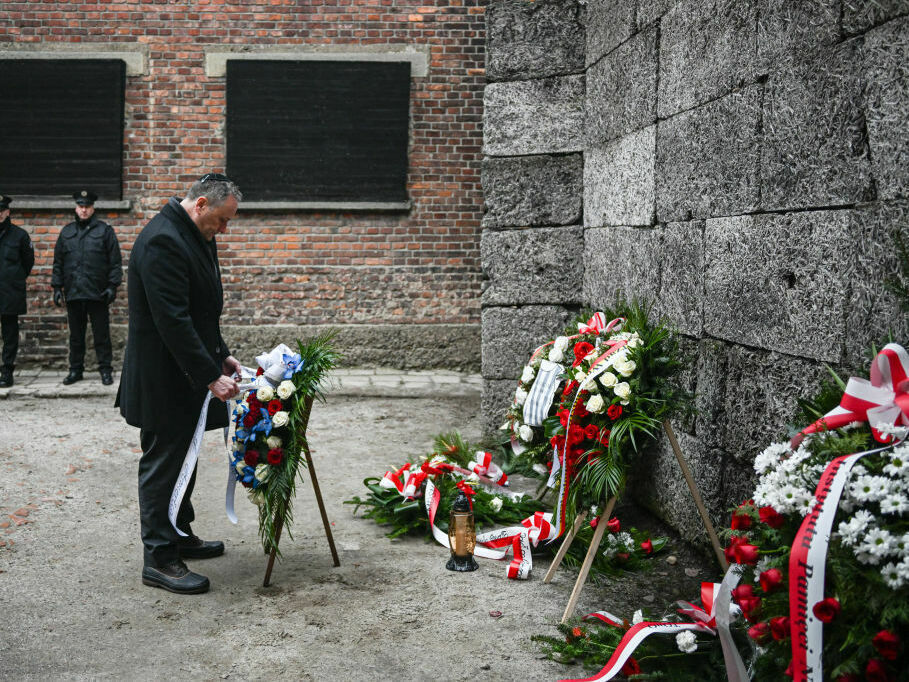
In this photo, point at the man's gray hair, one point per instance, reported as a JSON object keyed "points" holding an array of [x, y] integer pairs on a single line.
{"points": [[214, 187]]}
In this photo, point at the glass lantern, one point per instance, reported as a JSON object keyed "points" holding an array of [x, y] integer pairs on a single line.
{"points": [[462, 537]]}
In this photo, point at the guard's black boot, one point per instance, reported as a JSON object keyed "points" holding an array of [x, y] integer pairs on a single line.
{"points": [[175, 577], [6, 378], [195, 547], [72, 377], [106, 377]]}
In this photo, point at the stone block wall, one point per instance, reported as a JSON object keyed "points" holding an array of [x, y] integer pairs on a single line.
{"points": [[743, 165]]}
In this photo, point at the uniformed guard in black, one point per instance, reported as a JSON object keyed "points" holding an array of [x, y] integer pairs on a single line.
{"points": [[87, 272], [16, 260]]}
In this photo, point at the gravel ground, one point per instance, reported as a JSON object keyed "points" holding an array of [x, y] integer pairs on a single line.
{"points": [[70, 562]]}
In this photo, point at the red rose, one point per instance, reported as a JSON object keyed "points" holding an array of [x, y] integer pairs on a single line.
{"points": [[771, 517], [751, 607], [647, 546], [734, 542], [779, 628], [563, 417], [614, 412], [250, 419], [613, 526], [741, 521], [274, 456], [575, 435], [274, 406], [759, 632], [631, 667], [746, 554], [592, 431], [744, 590], [771, 579], [569, 387], [580, 412], [595, 521], [876, 671], [253, 401], [251, 458], [581, 351], [826, 609], [887, 644]]}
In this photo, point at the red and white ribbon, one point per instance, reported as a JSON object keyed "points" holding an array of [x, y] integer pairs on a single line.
{"points": [[597, 324], [532, 530], [882, 402], [482, 465]]}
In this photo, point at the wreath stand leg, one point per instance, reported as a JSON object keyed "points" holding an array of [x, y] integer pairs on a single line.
{"points": [[318, 492], [566, 543], [602, 520], [696, 495]]}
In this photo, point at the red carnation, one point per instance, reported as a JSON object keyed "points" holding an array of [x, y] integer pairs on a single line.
{"points": [[876, 671], [631, 667], [274, 406], [591, 431], [759, 632], [251, 458], [581, 351], [826, 609], [253, 401], [613, 525], [887, 644], [771, 517], [250, 419], [779, 628], [614, 412], [771, 579], [741, 520], [275, 455], [647, 546], [746, 554]]}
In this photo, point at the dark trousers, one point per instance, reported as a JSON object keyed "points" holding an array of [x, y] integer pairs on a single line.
{"points": [[78, 313], [10, 327], [159, 467]]}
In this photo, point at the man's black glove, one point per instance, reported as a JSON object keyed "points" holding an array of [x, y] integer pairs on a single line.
{"points": [[58, 297], [110, 295]]}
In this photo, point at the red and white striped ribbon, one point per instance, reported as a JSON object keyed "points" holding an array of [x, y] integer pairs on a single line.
{"points": [[482, 465]]}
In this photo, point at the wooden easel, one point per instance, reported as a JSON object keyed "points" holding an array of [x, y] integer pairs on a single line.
{"points": [[603, 518], [307, 410]]}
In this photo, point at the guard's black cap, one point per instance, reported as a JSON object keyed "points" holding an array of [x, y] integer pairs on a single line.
{"points": [[5, 201], [85, 197]]}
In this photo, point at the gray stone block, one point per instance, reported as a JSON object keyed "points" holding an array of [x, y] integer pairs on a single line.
{"points": [[609, 23], [707, 48], [534, 117], [708, 159], [885, 60], [619, 181], [874, 312], [815, 147], [788, 31], [533, 39], [860, 15], [511, 334], [681, 297], [649, 11], [777, 281], [621, 89], [498, 395], [621, 262], [533, 190], [533, 266]]}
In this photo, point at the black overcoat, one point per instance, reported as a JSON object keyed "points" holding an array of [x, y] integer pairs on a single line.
{"points": [[16, 260], [87, 261], [174, 347]]}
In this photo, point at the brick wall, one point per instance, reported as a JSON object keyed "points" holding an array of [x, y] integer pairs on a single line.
{"points": [[740, 163], [400, 275]]}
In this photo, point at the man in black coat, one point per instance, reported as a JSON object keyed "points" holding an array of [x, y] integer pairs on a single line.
{"points": [[174, 355], [87, 272], [16, 260]]}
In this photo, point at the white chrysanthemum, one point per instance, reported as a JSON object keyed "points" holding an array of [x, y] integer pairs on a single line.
{"points": [[561, 343], [638, 617], [877, 543], [901, 545], [898, 466], [625, 540], [525, 433], [891, 574], [903, 568], [895, 503], [898, 432], [687, 642], [520, 396], [791, 498], [555, 355], [869, 488]]}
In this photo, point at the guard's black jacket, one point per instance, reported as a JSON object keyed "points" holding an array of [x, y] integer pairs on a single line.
{"points": [[174, 348], [16, 260], [87, 261]]}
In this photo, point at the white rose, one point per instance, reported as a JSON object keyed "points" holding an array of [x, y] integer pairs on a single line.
{"points": [[286, 389], [555, 355], [623, 390], [265, 394], [256, 497], [590, 385], [263, 471], [580, 375], [595, 404], [525, 433], [527, 374], [635, 341], [279, 419], [495, 503], [608, 379], [273, 442], [627, 368], [561, 343], [520, 396]]}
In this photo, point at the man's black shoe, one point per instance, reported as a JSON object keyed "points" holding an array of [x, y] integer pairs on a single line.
{"points": [[175, 577], [72, 377], [195, 547], [106, 378], [6, 378]]}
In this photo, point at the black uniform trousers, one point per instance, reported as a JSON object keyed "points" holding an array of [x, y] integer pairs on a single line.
{"points": [[78, 313], [159, 468], [9, 324]]}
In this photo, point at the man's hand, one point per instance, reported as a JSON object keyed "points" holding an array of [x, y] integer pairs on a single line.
{"points": [[231, 367], [224, 388], [110, 295], [58, 297]]}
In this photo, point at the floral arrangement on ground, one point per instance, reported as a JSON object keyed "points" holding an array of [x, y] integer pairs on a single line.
{"points": [[270, 418]]}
